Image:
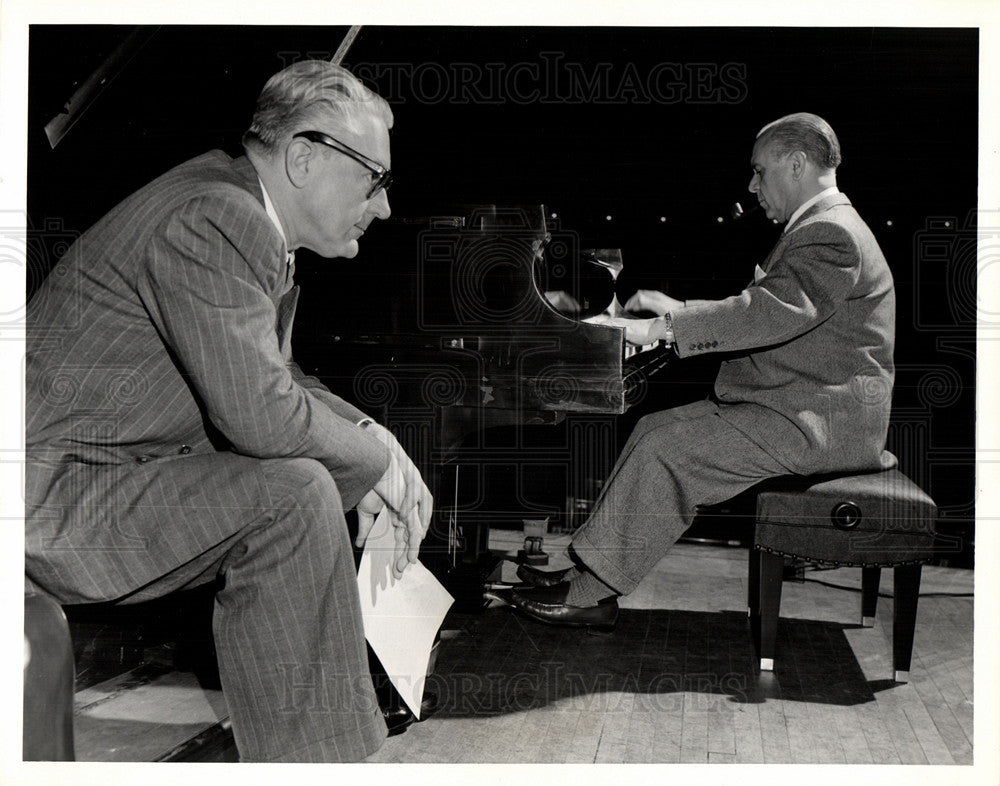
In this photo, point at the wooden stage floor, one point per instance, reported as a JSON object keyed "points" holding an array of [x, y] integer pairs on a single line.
{"points": [[676, 682]]}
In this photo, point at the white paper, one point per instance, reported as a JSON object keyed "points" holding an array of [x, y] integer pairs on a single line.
{"points": [[401, 616]]}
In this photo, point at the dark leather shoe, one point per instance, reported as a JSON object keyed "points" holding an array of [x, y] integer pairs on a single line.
{"points": [[548, 605], [541, 578], [399, 718]]}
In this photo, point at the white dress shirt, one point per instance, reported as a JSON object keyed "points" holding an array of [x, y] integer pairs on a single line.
{"points": [[808, 204]]}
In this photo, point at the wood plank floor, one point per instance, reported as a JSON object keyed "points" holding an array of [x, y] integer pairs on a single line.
{"points": [[143, 715], [677, 682]]}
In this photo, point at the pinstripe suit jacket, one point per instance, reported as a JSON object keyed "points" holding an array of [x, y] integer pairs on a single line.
{"points": [[158, 363], [815, 331]]}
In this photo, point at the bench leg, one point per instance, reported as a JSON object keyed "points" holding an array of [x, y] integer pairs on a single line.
{"points": [[771, 569], [906, 590], [753, 583], [870, 578]]}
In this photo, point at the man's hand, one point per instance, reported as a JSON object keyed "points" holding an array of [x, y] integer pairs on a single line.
{"points": [[401, 489], [642, 331], [563, 302], [653, 301]]}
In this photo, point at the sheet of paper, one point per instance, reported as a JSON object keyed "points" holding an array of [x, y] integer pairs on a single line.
{"points": [[401, 616]]}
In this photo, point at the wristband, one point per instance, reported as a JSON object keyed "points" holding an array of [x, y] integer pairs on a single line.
{"points": [[668, 328]]}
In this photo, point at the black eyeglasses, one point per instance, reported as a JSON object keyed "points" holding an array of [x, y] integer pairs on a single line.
{"points": [[381, 177]]}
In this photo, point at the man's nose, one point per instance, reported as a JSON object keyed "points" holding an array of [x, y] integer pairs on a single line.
{"points": [[379, 205], [754, 186]]}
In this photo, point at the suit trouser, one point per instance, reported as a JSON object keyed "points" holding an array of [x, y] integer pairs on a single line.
{"points": [[673, 462], [287, 622]]}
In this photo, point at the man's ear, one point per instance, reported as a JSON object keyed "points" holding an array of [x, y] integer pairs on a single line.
{"points": [[300, 157], [797, 163]]}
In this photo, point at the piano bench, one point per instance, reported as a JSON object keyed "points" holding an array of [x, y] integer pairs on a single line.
{"points": [[872, 521]]}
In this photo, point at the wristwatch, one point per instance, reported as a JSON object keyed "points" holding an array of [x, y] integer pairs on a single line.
{"points": [[668, 328]]}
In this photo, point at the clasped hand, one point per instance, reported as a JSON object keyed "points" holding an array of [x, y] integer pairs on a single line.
{"points": [[410, 504]]}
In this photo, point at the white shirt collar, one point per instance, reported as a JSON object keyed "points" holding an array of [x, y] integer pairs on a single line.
{"points": [[273, 214], [807, 204]]}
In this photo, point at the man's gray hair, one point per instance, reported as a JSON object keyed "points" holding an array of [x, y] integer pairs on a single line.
{"points": [[806, 132], [309, 96]]}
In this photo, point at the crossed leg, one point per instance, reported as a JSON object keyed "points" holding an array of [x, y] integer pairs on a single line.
{"points": [[673, 462]]}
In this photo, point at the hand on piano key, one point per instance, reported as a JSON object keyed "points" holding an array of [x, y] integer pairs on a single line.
{"points": [[563, 302], [642, 332], [652, 301]]}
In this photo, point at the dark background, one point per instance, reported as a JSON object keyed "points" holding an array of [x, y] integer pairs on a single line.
{"points": [[567, 117]]}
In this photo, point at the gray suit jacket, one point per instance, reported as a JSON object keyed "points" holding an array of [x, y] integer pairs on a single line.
{"points": [[812, 382], [158, 363]]}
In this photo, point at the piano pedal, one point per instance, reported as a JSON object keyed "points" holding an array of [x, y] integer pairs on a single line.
{"points": [[534, 532], [499, 592], [532, 553]]}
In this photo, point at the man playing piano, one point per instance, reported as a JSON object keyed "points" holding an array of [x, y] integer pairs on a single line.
{"points": [[806, 390], [171, 439]]}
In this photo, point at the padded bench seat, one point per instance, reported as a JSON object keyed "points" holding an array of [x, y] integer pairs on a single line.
{"points": [[872, 521]]}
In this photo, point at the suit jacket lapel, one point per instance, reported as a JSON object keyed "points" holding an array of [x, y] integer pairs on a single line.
{"points": [[775, 252], [286, 316], [289, 299], [823, 205]]}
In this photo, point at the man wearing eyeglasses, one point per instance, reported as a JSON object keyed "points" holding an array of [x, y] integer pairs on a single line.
{"points": [[172, 441]]}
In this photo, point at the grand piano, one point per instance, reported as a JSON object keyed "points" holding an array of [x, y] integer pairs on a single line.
{"points": [[461, 325]]}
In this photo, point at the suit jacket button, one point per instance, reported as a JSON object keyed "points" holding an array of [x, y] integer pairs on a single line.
{"points": [[715, 343], [141, 459], [185, 449], [701, 346], [691, 346]]}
